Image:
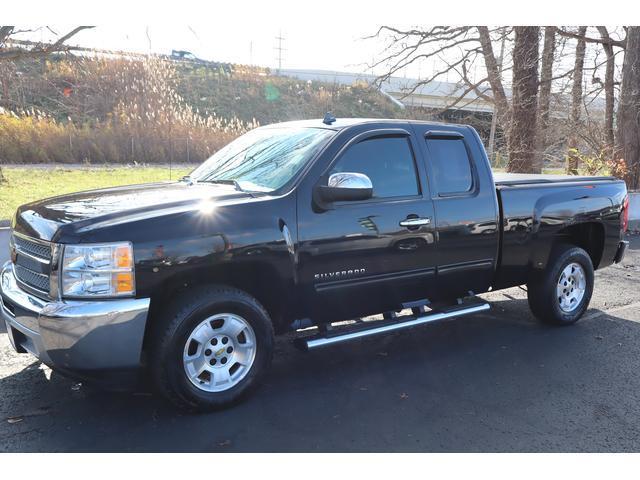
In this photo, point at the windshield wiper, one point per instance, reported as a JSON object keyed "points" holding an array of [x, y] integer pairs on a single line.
{"points": [[223, 181]]}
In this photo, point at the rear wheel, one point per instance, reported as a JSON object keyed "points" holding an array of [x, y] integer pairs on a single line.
{"points": [[211, 348], [561, 293]]}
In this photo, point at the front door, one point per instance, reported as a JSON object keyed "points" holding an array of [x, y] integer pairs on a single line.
{"points": [[363, 257]]}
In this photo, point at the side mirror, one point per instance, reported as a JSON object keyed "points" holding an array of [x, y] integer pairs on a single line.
{"points": [[346, 186]]}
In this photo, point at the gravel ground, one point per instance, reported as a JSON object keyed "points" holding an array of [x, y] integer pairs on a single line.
{"points": [[489, 382]]}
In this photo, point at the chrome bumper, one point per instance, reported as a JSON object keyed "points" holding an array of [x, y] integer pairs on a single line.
{"points": [[73, 335]]}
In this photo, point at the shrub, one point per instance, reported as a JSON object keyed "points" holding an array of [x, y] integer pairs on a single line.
{"points": [[600, 163]]}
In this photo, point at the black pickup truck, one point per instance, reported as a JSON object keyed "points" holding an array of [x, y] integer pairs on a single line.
{"points": [[307, 224]]}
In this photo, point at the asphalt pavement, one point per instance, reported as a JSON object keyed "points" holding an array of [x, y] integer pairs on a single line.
{"points": [[498, 381]]}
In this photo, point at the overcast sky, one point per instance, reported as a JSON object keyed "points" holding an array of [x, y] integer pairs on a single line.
{"points": [[319, 34], [253, 42]]}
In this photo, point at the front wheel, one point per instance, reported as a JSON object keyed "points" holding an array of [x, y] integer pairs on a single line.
{"points": [[211, 348], [561, 293]]}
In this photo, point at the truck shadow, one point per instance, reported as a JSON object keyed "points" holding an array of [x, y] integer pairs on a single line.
{"points": [[490, 382]]}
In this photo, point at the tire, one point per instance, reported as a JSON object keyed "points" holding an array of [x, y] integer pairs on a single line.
{"points": [[557, 302], [191, 337]]}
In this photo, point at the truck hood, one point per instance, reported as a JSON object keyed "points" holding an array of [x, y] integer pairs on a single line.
{"points": [[43, 218]]}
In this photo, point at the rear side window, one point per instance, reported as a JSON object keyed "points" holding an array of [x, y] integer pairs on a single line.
{"points": [[450, 165], [387, 161]]}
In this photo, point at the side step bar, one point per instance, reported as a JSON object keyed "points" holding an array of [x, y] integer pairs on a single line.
{"points": [[312, 343]]}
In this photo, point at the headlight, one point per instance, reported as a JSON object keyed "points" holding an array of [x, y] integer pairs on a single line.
{"points": [[98, 270]]}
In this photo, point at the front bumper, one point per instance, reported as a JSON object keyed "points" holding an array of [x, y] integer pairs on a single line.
{"points": [[76, 337]]}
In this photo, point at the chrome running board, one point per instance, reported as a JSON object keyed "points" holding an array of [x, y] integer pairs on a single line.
{"points": [[311, 343]]}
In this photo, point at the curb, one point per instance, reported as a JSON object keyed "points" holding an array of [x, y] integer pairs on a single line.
{"points": [[634, 210], [5, 223]]}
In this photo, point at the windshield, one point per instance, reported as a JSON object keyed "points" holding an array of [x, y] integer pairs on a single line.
{"points": [[263, 159]]}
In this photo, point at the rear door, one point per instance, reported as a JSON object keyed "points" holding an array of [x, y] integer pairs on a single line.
{"points": [[362, 257], [466, 209]]}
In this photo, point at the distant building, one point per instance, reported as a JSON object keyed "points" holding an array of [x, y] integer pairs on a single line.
{"points": [[428, 101], [436, 96]]}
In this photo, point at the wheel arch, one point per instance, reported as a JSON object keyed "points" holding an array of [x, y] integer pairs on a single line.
{"points": [[590, 236], [261, 280]]}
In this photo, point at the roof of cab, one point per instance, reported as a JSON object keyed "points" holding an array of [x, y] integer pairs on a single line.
{"points": [[341, 123]]}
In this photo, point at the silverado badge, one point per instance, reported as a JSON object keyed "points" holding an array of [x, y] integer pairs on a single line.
{"points": [[340, 274]]}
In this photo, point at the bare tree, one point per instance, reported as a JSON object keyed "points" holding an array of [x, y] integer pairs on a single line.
{"points": [[37, 49], [583, 36], [544, 100], [628, 120], [522, 134], [608, 86], [457, 49], [28, 49], [600, 135], [494, 76], [576, 103]]}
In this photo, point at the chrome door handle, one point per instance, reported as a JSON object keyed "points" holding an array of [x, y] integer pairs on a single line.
{"points": [[415, 222]]}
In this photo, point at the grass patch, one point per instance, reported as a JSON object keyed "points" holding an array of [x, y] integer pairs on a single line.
{"points": [[24, 185]]}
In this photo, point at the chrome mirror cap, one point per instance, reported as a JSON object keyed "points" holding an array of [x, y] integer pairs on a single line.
{"points": [[350, 180], [346, 186]]}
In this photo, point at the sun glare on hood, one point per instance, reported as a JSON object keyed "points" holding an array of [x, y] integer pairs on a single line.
{"points": [[206, 207]]}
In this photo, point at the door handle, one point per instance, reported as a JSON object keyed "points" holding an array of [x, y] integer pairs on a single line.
{"points": [[415, 222]]}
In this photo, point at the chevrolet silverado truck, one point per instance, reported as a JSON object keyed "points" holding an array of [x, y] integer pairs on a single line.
{"points": [[335, 229]]}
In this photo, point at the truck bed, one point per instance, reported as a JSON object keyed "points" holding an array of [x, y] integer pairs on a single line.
{"points": [[535, 208], [507, 179]]}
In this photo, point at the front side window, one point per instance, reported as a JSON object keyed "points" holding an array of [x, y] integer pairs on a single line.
{"points": [[263, 159], [450, 165], [387, 161]]}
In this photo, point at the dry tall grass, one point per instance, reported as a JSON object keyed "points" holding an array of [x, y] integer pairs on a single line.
{"points": [[150, 123]]}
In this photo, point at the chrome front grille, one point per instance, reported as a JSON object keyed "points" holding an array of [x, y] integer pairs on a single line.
{"points": [[37, 249], [33, 279], [32, 263]]}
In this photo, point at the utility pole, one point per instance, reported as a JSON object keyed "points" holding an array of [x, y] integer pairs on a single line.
{"points": [[279, 48]]}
